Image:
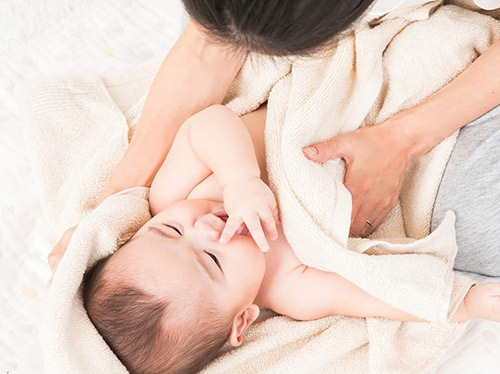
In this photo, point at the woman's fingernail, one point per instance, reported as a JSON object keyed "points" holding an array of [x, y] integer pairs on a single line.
{"points": [[311, 151]]}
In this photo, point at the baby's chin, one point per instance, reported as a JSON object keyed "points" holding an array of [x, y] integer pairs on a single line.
{"points": [[256, 258]]}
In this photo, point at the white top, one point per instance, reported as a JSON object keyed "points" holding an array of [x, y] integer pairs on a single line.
{"points": [[381, 7]]}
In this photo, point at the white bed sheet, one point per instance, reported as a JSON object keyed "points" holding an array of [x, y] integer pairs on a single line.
{"points": [[102, 37]]}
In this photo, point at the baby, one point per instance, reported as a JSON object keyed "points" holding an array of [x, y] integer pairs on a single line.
{"points": [[197, 274]]}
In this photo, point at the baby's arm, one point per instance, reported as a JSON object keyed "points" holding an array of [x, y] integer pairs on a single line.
{"points": [[222, 142], [217, 141], [305, 293], [196, 150]]}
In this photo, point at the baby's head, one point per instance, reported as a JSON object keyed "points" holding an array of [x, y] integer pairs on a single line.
{"points": [[168, 300]]}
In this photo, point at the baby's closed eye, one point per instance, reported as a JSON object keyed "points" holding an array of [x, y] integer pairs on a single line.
{"points": [[214, 258], [174, 228]]}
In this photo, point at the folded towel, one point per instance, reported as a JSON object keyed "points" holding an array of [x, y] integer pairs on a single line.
{"points": [[77, 134]]}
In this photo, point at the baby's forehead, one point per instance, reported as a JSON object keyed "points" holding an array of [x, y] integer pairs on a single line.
{"points": [[156, 265], [149, 243]]}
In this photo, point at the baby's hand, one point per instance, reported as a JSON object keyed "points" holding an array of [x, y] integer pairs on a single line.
{"points": [[483, 301], [250, 202]]}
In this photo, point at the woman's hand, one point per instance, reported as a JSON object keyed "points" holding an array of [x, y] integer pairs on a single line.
{"points": [[58, 251], [250, 202], [376, 159]]}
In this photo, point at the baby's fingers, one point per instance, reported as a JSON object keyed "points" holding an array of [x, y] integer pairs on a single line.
{"points": [[276, 215], [253, 225], [269, 223], [232, 224]]}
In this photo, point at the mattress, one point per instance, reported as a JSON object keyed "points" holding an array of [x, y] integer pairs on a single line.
{"points": [[95, 37]]}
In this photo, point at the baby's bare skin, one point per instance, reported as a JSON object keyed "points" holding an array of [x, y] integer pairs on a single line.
{"points": [[286, 279]]}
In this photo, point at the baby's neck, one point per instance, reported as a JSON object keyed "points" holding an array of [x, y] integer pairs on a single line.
{"points": [[280, 260]]}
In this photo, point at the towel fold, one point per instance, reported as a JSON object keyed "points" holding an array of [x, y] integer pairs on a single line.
{"points": [[78, 132]]}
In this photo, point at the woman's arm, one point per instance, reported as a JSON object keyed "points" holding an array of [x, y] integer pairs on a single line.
{"points": [[195, 74], [375, 182], [471, 94]]}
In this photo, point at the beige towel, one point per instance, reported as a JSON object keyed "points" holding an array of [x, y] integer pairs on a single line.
{"points": [[77, 134]]}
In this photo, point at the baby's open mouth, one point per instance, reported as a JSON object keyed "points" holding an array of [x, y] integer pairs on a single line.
{"points": [[222, 215]]}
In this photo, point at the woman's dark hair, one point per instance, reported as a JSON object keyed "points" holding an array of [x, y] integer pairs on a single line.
{"points": [[276, 27]]}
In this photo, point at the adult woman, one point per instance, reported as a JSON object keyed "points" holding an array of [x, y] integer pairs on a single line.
{"points": [[204, 61]]}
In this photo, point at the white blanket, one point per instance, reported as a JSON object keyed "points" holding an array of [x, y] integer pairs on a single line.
{"points": [[367, 79]]}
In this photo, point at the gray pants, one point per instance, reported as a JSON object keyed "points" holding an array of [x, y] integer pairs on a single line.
{"points": [[471, 188]]}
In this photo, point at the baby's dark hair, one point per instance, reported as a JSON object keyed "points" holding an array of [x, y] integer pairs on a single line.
{"points": [[150, 334], [276, 27]]}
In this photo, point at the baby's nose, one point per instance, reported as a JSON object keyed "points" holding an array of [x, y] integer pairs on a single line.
{"points": [[209, 226]]}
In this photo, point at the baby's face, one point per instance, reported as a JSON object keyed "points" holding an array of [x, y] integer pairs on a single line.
{"points": [[172, 252]]}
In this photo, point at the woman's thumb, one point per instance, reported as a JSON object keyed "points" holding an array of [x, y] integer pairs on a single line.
{"points": [[324, 151]]}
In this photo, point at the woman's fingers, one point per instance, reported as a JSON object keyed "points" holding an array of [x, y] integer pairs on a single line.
{"points": [[360, 226], [370, 209], [375, 167], [324, 151], [53, 260], [382, 210], [360, 201], [59, 249]]}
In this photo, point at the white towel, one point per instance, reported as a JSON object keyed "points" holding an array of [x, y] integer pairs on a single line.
{"points": [[77, 134]]}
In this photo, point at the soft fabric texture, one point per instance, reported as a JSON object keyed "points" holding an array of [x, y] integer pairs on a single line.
{"points": [[78, 132], [382, 7]]}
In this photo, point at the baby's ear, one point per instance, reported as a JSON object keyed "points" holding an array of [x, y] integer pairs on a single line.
{"points": [[241, 323]]}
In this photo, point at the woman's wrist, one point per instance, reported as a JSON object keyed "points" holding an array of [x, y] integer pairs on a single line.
{"points": [[419, 129], [468, 96]]}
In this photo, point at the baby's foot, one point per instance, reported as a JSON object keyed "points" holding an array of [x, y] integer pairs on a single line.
{"points": [[483, 301]]}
